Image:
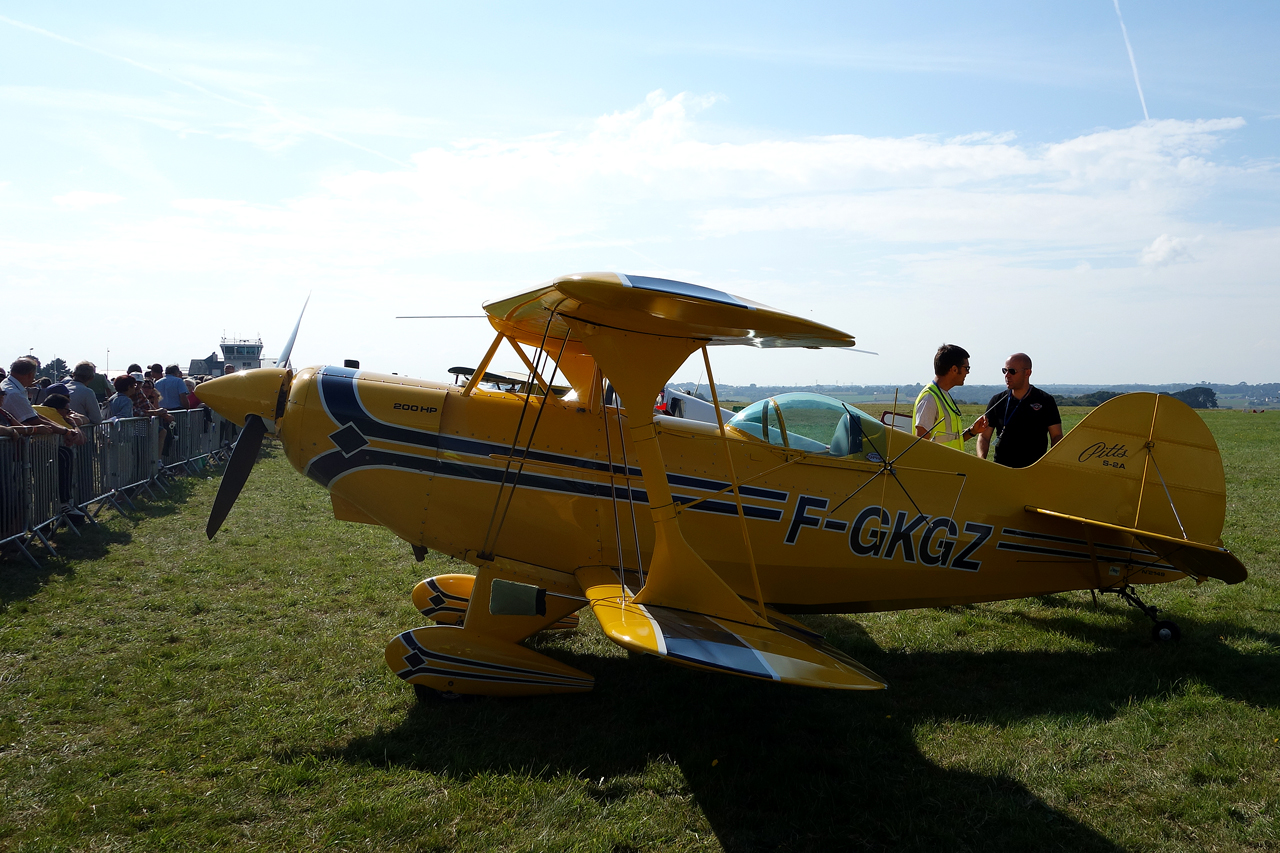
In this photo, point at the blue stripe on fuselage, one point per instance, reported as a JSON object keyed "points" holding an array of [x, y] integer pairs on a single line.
{"points": [[342, 403]]}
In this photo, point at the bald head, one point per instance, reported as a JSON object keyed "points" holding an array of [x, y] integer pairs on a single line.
{"points": [[1017, 373]]}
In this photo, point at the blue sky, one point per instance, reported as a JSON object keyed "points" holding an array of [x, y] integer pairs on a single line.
{"points": [[910, 173]]}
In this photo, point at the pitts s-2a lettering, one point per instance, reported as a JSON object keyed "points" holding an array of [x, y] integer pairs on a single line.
{"points": [[699, 542]]}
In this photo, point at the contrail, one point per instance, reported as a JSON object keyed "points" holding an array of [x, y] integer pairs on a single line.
{"points": [[1132, 62], [265, 108]]}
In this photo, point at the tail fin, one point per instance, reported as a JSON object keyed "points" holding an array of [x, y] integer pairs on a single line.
{"points": [[1144, 465], [1140, 461]]}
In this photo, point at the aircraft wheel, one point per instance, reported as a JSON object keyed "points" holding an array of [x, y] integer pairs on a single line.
{"points": [[1166, 632], [427, 695]]}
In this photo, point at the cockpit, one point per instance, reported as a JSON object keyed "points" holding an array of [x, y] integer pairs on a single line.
{"points": [[813, 423]]}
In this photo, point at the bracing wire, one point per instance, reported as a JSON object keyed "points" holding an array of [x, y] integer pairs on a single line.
{"points": [[631, 499], [613, 498], [515, 438], [534, 429]]}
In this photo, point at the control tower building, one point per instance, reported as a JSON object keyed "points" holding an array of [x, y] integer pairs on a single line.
{"points": [[243, 353], [240, 353]]}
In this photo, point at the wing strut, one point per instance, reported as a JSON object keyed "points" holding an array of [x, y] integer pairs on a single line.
{"points": [[639, 364], [733, 482], [534, 375], [478, 375]]}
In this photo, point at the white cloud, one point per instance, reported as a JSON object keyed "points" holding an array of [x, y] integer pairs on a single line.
{"points": [[647, 174], [848, 229], [85, 199], [1166, 250]]}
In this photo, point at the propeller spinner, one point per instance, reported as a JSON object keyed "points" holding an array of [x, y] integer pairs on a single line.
{"points": [[250, 398]]}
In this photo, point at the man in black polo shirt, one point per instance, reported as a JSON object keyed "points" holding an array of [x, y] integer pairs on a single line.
{"points": [[1021, 417]]}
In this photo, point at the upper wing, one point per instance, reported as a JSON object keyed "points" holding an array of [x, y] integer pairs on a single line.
{"points": [[654, 306], [784, 651]]}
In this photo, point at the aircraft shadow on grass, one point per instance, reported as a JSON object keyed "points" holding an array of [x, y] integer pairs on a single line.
{"points": [[771, 768], [779, 767]]}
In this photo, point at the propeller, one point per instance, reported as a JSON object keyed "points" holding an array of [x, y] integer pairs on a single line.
{"points": [[288, 347], [253, 397], [233, 479]]}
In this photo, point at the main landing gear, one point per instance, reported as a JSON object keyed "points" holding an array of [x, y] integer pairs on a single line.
{"points": [[1164, 631]]}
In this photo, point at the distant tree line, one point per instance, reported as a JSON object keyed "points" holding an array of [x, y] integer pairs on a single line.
{"points": [[1096, 398], [1197, 397]]}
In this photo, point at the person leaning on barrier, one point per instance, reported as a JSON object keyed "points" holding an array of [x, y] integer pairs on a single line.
{"points": [[84, 400], [11, 427], [101, 387], [120, 404], [22, 375], [143, 405], [146, 404], [150, 392], [57, 409], [936, 415], [172, 390]]}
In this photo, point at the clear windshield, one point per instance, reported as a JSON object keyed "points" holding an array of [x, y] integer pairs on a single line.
{"points": [[813, 423]]}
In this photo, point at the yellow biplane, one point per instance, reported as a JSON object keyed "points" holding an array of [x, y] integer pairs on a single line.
{"points": [[699, 542]]}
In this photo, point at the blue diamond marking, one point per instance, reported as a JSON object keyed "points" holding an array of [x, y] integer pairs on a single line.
{"points": [[348, 439]]}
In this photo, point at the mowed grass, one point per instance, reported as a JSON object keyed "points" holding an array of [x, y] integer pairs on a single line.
{"points": [[159, 692]]}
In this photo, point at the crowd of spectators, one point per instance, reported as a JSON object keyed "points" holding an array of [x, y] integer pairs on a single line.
{"points": [[31, 404]]}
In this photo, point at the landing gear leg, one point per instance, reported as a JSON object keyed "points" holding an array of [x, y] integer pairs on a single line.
{"points": [[1164, 631]]}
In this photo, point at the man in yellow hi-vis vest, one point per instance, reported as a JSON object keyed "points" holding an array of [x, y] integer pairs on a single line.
{"points": [[937, 416]]}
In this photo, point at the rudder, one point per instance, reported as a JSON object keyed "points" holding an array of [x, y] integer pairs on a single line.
{"points": [[1143, 461]]}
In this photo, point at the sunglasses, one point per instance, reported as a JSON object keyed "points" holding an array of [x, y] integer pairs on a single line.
{"points": [[1009, 371]]}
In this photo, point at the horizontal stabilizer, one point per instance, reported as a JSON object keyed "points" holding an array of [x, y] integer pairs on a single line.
{"points": [[1194, 558], [786, 651]]}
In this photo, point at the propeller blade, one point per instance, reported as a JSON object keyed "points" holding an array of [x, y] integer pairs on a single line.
{"points": [[233, 479], [288, 347]]}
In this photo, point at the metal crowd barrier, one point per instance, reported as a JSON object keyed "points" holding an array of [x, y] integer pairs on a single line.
{"points": [[119, 460]]}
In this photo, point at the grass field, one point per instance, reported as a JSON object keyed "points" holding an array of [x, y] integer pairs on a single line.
{"points": [[158, 692]]}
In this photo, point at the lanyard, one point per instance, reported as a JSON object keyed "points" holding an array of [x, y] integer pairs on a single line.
{"points": [[1007, 413], [948, 403]]}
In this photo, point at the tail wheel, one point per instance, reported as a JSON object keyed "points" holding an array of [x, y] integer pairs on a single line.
{"points": [[1165, 631]]}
